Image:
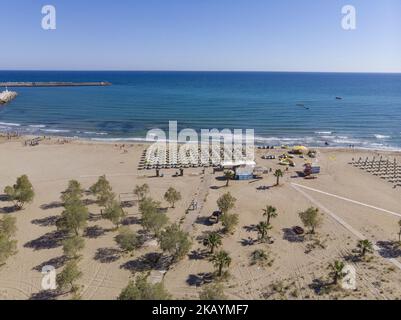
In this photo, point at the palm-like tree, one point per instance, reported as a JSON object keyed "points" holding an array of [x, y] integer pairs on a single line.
{"points": [[213, 241], [365, 246], [263, 228], [270, 212], [337, 271], [220, 261], [228, 175], [278, 174]]}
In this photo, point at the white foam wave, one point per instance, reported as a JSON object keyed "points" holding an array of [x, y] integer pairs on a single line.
{"points": [[381, 136], [10, 124]]}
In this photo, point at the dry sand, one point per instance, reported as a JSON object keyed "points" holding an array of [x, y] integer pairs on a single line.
{"points": [[51, 165]]}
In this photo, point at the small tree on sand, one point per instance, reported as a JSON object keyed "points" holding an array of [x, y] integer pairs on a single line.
{"points": [[278, 174], [8, 226], [337, 271], [311, 218], [365, 246], [73, 219], [21, 192], [228, 175], [263, 228], [152, 220], [220, 261], [66, 279], [213, 241], [140, 289], [103, 191], [142, 191], [226, 202], [172, 196], [8, 246], [270, 212], [74, 192], [72, 246], [175, 241], [114, 212], [229, 222], [212, 291], [127, 240]]}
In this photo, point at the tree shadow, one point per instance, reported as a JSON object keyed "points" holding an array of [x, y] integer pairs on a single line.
{"points": [[248, 242], [51, 205], [107, 255], [94, 232], [131, 221], [50, 240], [46, 222], [217, 187], [291, 236], [147, 262], [389, 249], [320, 286], [4, 198], [10, 209], [198, 254], [199, 279], [203, 221], [57, 263], [45, 295], [250, 228]]}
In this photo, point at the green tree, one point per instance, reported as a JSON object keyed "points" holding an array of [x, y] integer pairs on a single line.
{"points": [[175, 241], [73, 218], [213, 241], [8, 226], [263, 228], [73, 193], [228, 175], [311, 218], [142, 191], [140, 289], [229, 222], [127, 240], [270, 212], [213, 291], [172, 196], [8, 246], [226, 202], [152, 220], [365, 246], [72, 246], [337, 271], [103, 191], [220, 261], [260, 257], [66, 279], [114, 212], [21, 192], [278, 174]]}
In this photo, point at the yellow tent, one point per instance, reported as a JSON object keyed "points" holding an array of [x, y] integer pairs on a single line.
{"points": [[300, 149]]}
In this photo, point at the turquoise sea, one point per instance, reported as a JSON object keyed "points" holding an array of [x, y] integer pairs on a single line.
{"points": [[283, 108]]}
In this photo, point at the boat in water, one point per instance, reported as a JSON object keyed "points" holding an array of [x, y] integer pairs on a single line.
{"points": [[6, 96]]}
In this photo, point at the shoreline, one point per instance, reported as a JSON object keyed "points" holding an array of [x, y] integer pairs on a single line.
{"points": [[140, 141]]}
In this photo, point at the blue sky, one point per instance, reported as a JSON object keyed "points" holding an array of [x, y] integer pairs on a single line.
{"points": [[254, 35]]}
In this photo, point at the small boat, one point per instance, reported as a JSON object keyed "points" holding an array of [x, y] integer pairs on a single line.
{"points": [[339, 98]]}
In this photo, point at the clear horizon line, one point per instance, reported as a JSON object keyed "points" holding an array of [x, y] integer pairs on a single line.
{"points": [[195, 70]]}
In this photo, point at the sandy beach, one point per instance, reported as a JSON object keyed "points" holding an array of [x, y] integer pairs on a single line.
{"points": [[354, 204]]}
